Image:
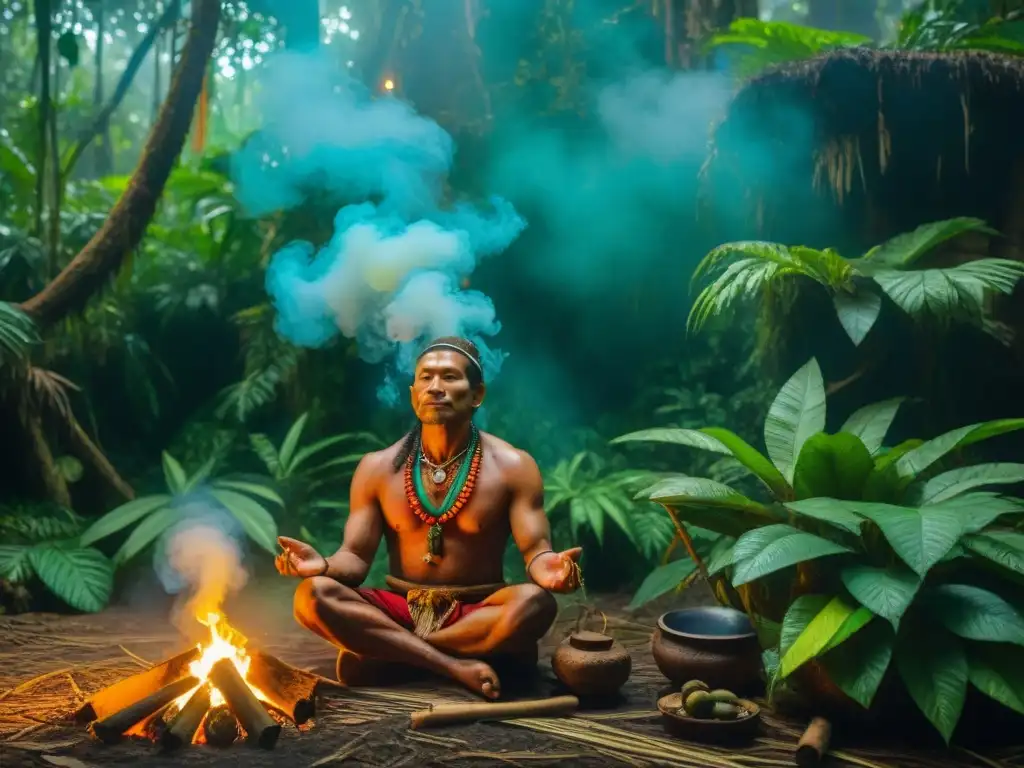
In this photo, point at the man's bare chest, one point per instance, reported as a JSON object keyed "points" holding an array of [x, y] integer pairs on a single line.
{"points": [[486, 509]]}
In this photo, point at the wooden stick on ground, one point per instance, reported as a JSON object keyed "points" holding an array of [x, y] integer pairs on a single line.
{"points": [[131, 689], [450, 714], [259, 726], [111, 728], [814, 743]]}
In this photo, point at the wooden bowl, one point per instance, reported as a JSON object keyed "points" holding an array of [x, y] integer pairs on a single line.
{"points": [[682, 725]]}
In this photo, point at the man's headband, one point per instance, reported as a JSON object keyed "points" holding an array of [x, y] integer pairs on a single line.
{"points": [[460, 350]]}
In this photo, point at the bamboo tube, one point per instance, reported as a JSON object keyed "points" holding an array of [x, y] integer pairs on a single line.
{"points": [[450, 714], [813, 745], [259, 726], [111, 728], [182, 729]]}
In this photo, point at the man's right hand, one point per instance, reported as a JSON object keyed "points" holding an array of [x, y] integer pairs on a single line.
{"points": [[299, 559]]}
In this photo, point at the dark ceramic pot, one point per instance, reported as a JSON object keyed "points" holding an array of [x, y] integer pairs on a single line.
{"points": [[591, 664], [714, 644]]}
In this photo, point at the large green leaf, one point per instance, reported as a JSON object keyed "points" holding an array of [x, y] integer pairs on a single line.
{"points": [[753, 460], [998, 672], [174, 474], [831, 511], [123, 516], [797, 413], [771, 548], [661, 581], [258, 523], [14, 563], [681, 489], [1005, 548], [81, 577], [914, 462], [836, 622], [951, 291], [857, 312], [903, 250], [291, 442], [975, 614], [145, 532], [921, 537], [302, 456], [933, 666], [957, 481], [692, 438], [858, 666], [887, 592], [833, 466], [980, 509], [253, 489], [871, 423], [799, 614]]}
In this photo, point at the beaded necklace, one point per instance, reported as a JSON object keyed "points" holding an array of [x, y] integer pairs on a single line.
{"points": [[454, 501]]}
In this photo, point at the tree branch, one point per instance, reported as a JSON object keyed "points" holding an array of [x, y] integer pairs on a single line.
{"points": [[90, 132], [128, 220]]}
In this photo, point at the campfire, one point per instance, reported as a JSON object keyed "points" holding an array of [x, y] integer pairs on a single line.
{"points": [[216, 693]]}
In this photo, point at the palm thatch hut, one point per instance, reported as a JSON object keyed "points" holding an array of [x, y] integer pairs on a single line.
{"points": [[856, 146]]}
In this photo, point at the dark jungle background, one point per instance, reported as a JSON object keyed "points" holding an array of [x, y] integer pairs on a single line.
{"points": [[138, 351]]}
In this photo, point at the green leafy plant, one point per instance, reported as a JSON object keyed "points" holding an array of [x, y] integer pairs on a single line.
{"points": [[153, 515], [41, 542], [886, 544], [760, 269]]}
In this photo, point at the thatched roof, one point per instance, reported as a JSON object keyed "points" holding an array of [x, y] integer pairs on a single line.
{"points": [[896, 137]]}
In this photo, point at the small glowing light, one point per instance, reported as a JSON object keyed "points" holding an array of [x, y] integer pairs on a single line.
{"points": [[389, 85]]}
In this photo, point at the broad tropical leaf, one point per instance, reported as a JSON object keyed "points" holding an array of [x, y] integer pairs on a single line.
{"points": [[921, 537], [681, 489], [797, 413], [978, 510], [693, 438], [998, 672], [916, 461], [858, 666], [857, 312], [81, 577], [123, 516], [836, 622], [291, 442], [1005, 548], [831, 511], [976, 614], [771, 548], [953, 291], [905, 249], [258, 523], [145, 533], [752, 459], [934, 669], [872, 422], [834, 466], [14, 563], [799, 614], [174, 474], [661, 581], [253, 489], [887, 592], [963, 479]]}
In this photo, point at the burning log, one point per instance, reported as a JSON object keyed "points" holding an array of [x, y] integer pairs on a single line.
{"points": [[252, 715], [111, 728], [220, 728], [123, 693], [287, 688], [182, 729]]}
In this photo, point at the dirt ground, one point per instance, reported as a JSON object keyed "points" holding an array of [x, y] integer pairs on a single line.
{"points": [[49, 665]]}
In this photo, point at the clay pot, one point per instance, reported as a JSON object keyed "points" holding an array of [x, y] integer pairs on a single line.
{"points": [[714, 644], [591, 664]]}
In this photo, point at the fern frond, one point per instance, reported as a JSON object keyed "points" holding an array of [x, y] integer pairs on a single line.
{"points": [[51, 390], [18, 334]]}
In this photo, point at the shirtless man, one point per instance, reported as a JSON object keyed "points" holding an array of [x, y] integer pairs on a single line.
{"points": [[446, 498]]}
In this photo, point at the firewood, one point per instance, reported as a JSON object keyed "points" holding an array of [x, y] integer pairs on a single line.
{"points": [[220, 727], [125, 692], [111, 728], [259, 726], [813, 745], [287, 688], [182, 729], [450, 714]]}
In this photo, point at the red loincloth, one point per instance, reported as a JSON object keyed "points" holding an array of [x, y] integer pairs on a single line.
{"points": [[396, 607]]}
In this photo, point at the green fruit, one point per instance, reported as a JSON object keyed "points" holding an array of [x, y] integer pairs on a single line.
{"points": [[699, 704], [693, 685], [723, 695], [723, 711]]}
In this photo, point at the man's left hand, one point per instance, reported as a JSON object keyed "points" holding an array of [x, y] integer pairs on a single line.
{"points": [[557, 571]]}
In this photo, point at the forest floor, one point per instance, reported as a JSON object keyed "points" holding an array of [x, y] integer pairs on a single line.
{"points": [[49, 665]]}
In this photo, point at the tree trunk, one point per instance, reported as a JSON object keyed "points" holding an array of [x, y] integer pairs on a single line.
{"points": [[688, 22], [127, 223]]}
